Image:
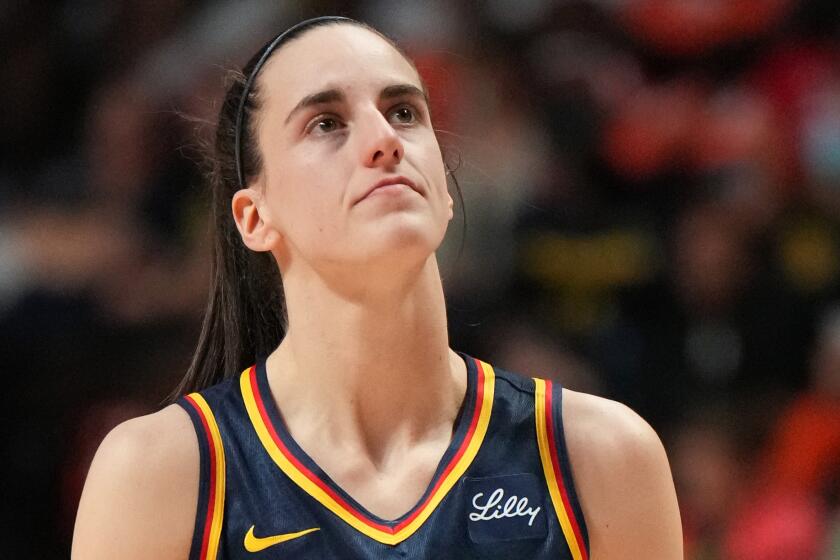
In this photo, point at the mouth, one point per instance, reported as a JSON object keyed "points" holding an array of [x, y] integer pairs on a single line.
{"points": [[390, 184]]}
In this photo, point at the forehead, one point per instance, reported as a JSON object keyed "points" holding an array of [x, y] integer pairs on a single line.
{"points": [[341, 56]]}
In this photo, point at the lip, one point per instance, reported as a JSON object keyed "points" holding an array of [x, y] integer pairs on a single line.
{"points": [[396, 180]]}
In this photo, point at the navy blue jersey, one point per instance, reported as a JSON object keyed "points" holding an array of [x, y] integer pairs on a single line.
{"points": [[503, 489]]}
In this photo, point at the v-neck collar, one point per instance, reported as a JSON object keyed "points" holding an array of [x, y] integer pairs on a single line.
{"points": [[469, 430]]}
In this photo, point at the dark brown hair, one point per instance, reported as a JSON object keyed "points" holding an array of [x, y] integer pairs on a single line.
{"points": [[245, 317]]}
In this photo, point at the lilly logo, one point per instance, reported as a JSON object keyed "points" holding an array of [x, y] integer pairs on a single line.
{"points": [[493, 508], [505, 508]]}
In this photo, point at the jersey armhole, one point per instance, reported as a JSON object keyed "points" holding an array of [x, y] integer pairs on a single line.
{"points": [[554, 457], [211, 480]]}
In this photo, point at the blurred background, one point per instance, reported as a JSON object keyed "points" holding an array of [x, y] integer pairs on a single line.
{"points": [[652, 191]]}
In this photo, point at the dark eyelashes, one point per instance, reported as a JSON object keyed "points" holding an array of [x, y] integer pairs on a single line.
{"points": [[415, 111], [314, 123], [417, 114]]}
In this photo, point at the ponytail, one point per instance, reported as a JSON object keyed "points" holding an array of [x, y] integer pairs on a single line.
{"points": [[245, 316]]}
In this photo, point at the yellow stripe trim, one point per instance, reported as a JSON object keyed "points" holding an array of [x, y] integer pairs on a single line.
{"points": [[327, 501], [466, 459], [219, 502], [548, 469]]}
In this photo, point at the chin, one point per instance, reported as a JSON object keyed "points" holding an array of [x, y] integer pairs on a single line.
{"points": [[405, 242]]}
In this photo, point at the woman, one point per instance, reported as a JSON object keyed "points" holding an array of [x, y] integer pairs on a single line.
{"points": [[362, 435]]}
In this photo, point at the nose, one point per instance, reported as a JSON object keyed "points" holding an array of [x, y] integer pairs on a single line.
{"points": [[381, 145]]}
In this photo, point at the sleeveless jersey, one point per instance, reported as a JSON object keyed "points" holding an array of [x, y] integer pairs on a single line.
{"points": [[502, 490]]}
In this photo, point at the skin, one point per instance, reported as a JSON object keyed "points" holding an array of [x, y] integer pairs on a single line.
{"points": [[366, 381]]}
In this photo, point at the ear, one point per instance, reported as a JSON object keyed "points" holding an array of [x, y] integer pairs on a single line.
{"points": [[257, 232], [451, 204]]}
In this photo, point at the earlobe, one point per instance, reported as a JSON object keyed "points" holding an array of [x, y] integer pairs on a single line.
{"points": [[257, 233]]}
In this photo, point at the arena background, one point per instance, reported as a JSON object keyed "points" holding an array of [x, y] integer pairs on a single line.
{"points": [[652, 193]]}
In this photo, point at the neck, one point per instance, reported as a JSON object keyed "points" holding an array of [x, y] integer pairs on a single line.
{"points": [[374, 371]]}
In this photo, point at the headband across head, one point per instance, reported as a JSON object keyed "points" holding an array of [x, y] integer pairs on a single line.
{"points": [[252, 77]]}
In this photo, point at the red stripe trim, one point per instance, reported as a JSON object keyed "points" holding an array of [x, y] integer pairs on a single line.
{"points": [[549, 412], [464, 444], [252, 374], [211, 500]]}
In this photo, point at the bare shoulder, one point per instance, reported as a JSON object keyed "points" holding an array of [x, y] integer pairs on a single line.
{"points": [[623, 480], [606, 430], [141, 492]]}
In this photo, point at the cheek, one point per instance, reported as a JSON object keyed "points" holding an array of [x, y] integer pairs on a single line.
{"points": [[310, 220], [434, 171], [304, 201]]}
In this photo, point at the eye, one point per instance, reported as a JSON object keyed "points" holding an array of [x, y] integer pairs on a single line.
{"points": [[327, 125], [404, 115], [324, 125]]}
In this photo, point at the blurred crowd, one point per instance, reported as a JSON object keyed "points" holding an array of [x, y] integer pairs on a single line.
{"points": [[651, 192]]}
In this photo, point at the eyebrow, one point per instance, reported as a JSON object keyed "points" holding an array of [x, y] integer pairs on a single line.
{"points": [[336, 96], [403, 90]]}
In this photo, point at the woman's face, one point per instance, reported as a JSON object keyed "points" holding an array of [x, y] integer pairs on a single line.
{"points": [[342, 112]]}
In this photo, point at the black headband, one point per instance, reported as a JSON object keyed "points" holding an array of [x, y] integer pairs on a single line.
{"points": [[249, 83]]}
